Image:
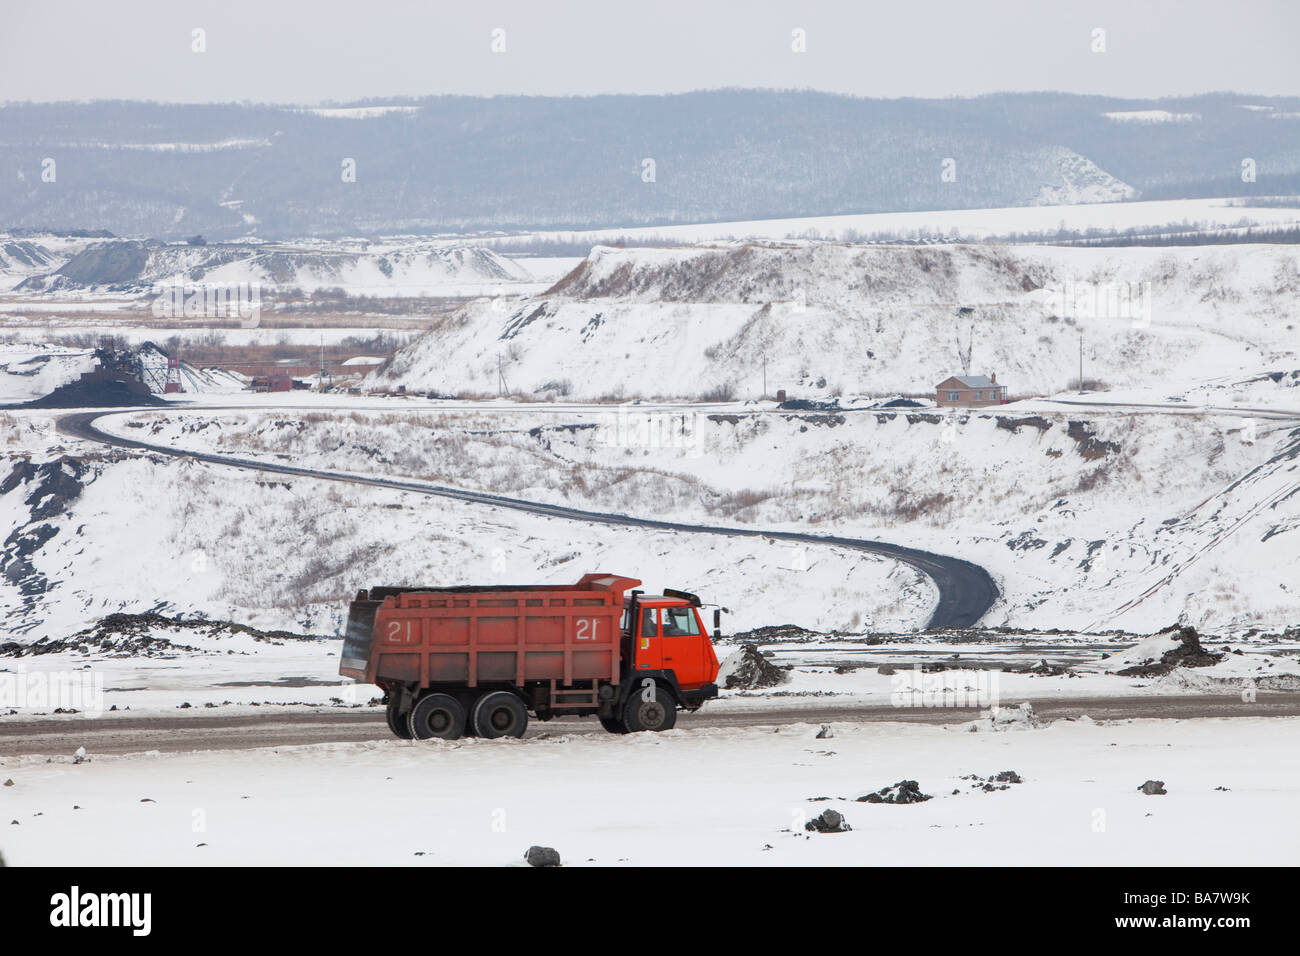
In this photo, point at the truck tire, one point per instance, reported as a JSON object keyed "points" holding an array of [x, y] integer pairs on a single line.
{"points": [[500, 713], [659, 713], [437, 715], [613, 725], [397, 721]]}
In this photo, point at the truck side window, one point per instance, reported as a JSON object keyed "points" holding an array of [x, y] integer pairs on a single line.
{"points": [[648, 626], [680, 622]]}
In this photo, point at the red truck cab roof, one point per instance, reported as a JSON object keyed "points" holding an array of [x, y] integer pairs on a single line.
{"points": [[657, 600]]}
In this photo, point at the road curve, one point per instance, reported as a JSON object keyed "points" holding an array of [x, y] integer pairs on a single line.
{"points": [[966, 590]]}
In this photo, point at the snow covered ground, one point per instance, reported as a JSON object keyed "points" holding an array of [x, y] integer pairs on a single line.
{"points": [[141, 533], [698, 797], [32, 371], [1087, 518]]}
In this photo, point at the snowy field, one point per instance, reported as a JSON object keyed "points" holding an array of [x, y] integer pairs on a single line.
{"points": [[699, 797], [969, 224]]}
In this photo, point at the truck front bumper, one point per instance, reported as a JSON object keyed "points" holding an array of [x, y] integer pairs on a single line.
{"points": [[694, 698]]}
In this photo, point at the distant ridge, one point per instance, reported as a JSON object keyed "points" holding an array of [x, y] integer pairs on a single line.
{"points": [[457, 164]]}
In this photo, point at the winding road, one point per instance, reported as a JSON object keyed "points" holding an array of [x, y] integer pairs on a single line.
{"points": [[966, 591]]}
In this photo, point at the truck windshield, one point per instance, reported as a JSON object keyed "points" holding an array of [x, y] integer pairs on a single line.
{"points": [[680, 622]]}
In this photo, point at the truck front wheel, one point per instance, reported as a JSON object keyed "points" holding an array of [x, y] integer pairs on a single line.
{"points": [[659, 712], [500, 714], [437, 715]]}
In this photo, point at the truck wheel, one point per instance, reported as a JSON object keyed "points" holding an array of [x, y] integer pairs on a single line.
{"points": [[613, 725], [659, 713], [500, 713], [437, 715], [397, 721]]}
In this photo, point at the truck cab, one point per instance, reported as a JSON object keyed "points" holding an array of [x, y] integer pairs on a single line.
{"points": [[664, 635]]}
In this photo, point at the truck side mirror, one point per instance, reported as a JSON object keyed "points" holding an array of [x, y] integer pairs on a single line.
{"points": [[717, 623]]}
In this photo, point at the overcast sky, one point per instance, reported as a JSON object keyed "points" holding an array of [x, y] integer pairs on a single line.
{"points": [[293, 51]]}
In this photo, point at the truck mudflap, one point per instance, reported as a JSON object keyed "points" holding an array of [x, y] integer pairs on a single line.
{"points": [[355, 655]]}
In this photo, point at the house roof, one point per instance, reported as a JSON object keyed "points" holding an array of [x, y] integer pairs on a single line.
{"points": [[971, 381]]}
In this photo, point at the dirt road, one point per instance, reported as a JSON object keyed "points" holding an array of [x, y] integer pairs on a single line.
{"points": [[115, 734]]}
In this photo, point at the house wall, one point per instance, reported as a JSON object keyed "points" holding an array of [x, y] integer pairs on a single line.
{"points": [[966, 397]]}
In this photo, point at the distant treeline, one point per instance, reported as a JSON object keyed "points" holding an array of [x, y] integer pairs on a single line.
{"points": [[1211, 237]]}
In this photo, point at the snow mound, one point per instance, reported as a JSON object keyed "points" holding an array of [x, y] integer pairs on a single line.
{"points": [[1174, 647], [415, 268], [1080, 180], [1003, 719], [748, 669]]}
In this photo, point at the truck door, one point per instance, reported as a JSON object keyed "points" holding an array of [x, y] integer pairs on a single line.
{"points": [[683, 645], [649, 652]]}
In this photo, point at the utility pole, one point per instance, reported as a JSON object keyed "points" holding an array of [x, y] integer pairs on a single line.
{"points": [[1080, 358], [764, 395]]}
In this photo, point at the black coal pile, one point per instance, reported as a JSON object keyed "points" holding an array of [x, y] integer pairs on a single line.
{"points": [[132, 635], [775, 632], [748, 669], [1188, 653], [905, 791], [809, 405], [999, 781], [103, 393]]}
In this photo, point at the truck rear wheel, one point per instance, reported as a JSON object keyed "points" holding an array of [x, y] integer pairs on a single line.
{"points": [[500, 714], [613, 725], [437, 715], [657, 713], [397, 720]]}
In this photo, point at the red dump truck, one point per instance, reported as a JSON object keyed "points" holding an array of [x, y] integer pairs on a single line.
{"points": [[479, 660]]}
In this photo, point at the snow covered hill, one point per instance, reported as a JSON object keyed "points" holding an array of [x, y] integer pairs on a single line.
{"points": [[1078, 179], [1087, 519], [411, 268], [94, 533], [837, 318], [32, 371]]}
